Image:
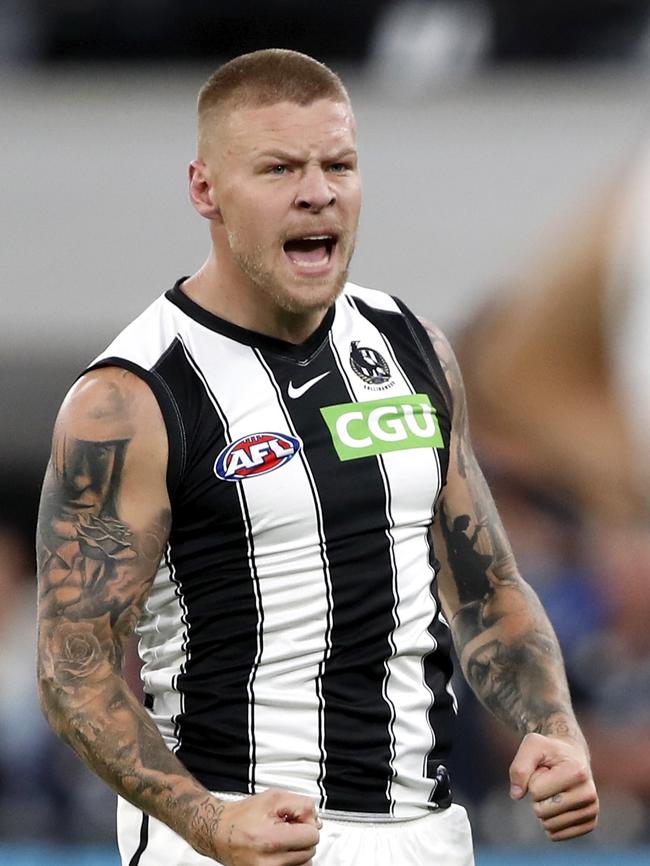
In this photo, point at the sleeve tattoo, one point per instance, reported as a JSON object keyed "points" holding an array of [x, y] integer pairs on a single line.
{"points": [[94, 573], [506, 645]]}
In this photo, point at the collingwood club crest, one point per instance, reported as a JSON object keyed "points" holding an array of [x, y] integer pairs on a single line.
{"points": [[369, 366]]}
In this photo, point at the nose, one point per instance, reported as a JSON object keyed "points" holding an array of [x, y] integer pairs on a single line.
{"points": [[315, 192]]}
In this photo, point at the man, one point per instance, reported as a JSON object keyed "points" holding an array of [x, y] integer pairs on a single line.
{"points": [[250, 473]]}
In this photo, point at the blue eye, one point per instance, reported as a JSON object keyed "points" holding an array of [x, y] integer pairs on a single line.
{"points": [[338, 167], [278, 169]]}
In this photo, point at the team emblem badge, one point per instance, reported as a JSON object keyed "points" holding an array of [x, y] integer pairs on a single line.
{"points": [[255, 454], [368, 364]]}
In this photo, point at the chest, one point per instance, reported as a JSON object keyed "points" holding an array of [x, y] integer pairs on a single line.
{"points": [[337, 445]]}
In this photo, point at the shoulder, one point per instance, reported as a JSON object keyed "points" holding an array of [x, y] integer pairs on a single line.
{"points": [[110, 402], [147, 337], [449, 363], [440, 343]]}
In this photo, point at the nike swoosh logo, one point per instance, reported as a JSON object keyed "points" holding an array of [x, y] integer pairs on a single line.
{"points": [[302, 389]]}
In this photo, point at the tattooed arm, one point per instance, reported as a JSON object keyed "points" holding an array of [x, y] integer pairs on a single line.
{"points": [[103, 524], [504, 640]]}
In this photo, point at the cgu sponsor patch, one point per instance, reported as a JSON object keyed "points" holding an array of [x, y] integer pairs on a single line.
{"points": [[379, 426], [255, 454]]}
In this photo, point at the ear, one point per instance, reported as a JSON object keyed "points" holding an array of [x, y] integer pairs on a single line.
{"points": [[201, 191]]}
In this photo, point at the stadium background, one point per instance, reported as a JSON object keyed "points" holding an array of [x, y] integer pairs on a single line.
{"points": [[481, 124]]}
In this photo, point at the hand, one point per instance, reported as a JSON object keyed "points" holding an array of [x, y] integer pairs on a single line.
{"points": [[556, 774], [275, 828]]}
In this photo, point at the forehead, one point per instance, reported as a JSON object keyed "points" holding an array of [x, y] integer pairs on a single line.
{"points": [[320, 126]]}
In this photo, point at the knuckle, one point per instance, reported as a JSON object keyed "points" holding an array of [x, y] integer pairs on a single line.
{"points": [[581, 775]]}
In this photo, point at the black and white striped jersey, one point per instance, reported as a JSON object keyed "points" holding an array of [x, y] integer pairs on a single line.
{"points": [[293, 636]]}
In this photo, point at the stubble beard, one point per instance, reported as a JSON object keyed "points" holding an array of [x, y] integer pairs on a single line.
{"points": [[306, 300]]}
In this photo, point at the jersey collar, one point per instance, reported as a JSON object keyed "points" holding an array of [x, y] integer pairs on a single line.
{"points": [[210, 320]]}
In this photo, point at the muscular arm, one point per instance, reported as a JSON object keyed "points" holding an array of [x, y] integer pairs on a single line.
{"points": [[506, 645], [103, 523]]}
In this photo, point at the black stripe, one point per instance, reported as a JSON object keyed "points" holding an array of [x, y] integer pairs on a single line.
{"points": [[259, 633], [352, 497], [438, 671], [207, 554], [144, 840], [423, 342], [396, 620]]}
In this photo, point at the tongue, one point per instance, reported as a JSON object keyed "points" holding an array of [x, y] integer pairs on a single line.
{"points": [[306, 251]]}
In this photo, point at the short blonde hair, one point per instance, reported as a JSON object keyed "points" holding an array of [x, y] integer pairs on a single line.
{"points": [[265, 78]]}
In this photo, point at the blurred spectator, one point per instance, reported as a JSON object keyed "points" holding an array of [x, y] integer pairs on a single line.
{"points": [[545, 399], [611, 668]]}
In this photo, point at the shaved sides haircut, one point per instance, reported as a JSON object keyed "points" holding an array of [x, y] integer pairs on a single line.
{"points": [[266, 78]]}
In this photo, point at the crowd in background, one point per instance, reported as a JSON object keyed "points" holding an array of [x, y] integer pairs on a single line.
{"points": [[590, 565]]}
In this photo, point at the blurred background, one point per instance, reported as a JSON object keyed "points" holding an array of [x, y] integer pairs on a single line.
{"points": [[506, 164]]}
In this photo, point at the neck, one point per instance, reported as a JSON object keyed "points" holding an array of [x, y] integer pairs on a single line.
{"points": [[218, 292]]}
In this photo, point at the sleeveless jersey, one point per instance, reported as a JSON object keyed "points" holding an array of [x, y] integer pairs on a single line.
{"points": [[293, 636]]}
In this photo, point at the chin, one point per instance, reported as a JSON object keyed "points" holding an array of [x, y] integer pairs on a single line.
{"points": [[313, 298]]}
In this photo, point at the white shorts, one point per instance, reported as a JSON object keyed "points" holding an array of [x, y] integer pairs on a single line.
{"points": [[439, 839]]}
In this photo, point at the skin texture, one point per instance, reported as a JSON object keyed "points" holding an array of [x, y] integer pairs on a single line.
{"points": [[506, 645], [276, 172]]}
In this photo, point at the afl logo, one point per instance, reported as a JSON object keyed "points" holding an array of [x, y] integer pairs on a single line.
{"points": [[255, 454], [368, 364]]}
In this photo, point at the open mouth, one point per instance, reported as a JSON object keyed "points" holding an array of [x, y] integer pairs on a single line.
{"points": [[311, 251]]}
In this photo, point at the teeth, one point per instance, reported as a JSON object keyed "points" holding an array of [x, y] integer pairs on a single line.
{"points": [[318, 238]]}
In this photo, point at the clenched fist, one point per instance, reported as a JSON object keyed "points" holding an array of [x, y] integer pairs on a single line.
{"points": [[276, 828], [557, 775]]}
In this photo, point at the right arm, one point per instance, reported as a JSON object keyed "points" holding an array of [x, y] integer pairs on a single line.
{"points": [[103, 524]]}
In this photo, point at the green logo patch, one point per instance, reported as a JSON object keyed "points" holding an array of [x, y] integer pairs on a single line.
{"points": [[379, 426]]}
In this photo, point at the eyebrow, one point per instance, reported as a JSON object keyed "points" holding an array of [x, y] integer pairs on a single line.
{"points": [[286, 156]]}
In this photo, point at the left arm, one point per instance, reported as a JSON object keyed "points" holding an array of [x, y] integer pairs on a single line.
{"points": [[504, 640]]}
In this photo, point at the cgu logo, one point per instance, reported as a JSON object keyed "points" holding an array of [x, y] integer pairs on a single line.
{"points": [[379, 426], [255, 454]]}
